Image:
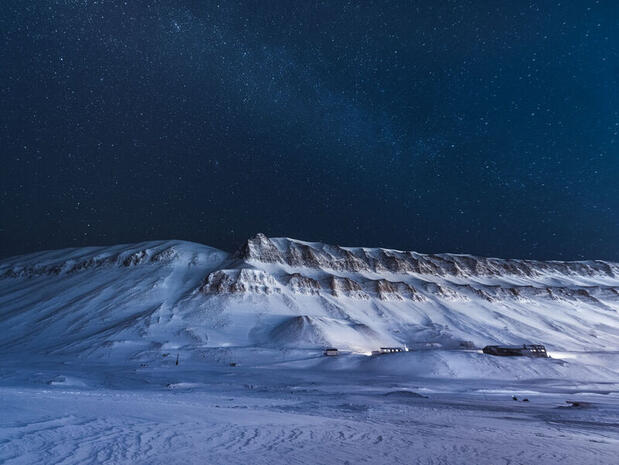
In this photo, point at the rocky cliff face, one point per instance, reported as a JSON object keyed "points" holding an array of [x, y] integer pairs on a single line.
{"points": [[244, 280], [364, 273], [294, 253]]}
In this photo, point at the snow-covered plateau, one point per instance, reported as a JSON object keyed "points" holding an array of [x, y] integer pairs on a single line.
{"points": [[175, 352]]}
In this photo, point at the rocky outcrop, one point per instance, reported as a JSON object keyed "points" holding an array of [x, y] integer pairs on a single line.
{"points": [[259, 248], [346, 287], [349, 272], [350, 259], [241, 281], [300, 284], [388, 290]]}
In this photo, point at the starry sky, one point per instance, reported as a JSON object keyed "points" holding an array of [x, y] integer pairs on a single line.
{"points": [[484, 127]]}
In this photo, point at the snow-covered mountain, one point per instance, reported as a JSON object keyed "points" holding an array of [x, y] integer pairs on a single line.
{"points": [[135, 300]]}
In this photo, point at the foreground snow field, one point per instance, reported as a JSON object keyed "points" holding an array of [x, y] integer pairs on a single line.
{"points": [[307, 410]]}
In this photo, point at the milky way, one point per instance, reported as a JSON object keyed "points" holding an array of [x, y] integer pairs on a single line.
{"points": [[480, 127]]}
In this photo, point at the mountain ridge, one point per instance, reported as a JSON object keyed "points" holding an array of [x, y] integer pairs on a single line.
{"points": [[280, 292], [263, 249]]}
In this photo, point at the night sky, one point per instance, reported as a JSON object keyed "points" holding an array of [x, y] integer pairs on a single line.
{"points": [[485, 127]]}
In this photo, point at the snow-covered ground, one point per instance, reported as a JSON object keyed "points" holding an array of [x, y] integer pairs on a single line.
{"points": [[89, 340], [308, 410]]}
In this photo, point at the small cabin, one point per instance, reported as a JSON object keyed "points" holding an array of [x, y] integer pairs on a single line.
{"points": [[391, 350], [331, 352], [525, 350]]}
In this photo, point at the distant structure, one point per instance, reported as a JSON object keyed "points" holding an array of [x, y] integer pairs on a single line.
{"points": [[525, 350], [389, 350], [331, 352]]}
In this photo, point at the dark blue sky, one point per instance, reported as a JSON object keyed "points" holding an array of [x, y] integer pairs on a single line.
{"points": [[485, 127]]}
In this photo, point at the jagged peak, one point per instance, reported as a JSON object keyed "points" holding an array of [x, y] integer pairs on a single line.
{"points": [[259, 248]]}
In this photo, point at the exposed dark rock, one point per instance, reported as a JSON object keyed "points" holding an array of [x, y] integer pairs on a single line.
{"points": [[303, 284], [346, 287], [241, 281], [259, 248]]}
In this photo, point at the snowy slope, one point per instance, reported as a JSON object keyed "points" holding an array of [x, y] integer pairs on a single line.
{"points": [[150, 298], [116, 298]]}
